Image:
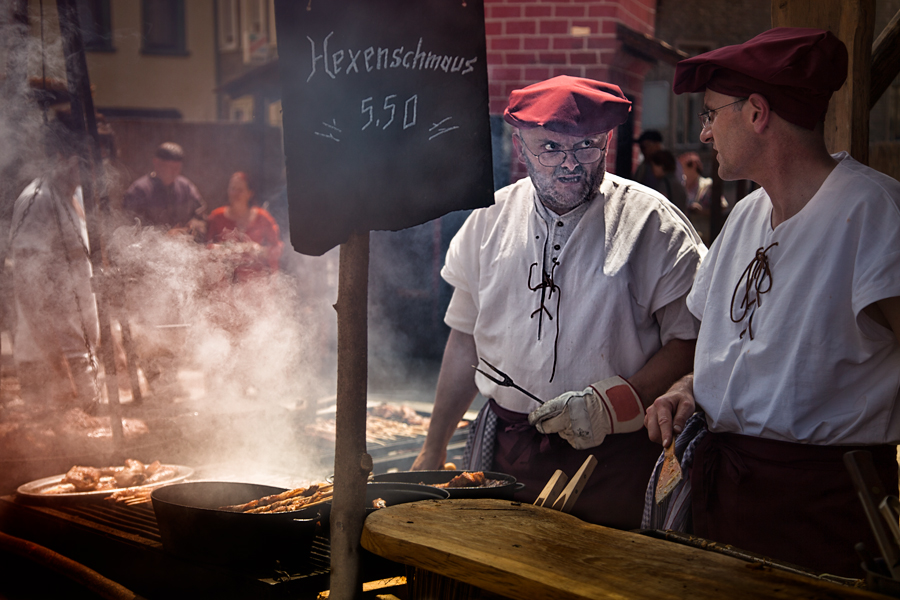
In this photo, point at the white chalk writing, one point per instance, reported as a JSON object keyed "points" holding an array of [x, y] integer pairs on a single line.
{"points": [[378, 59], [390, 107], [332, 125], [441, 130]]}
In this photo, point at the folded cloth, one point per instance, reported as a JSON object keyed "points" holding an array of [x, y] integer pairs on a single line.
{"points": [[479, 454], [674, 512]]}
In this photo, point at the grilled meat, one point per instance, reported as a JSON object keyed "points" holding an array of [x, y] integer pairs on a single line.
{"points": [[84, 479]]}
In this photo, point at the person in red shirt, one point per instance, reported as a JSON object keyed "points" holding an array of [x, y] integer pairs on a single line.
{"points": [[249, 230]]}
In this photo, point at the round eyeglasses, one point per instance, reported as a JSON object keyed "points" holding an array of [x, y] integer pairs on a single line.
{"points": [[554, 158], [707, 117]]}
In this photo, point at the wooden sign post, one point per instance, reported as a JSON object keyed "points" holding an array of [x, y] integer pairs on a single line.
{"points": [[386, 126]]}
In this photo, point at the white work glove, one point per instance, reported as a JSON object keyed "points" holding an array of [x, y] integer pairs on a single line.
{"points": [[585, 418]]}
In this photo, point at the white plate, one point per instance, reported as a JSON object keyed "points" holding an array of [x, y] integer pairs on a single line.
{"points": [[35, 489]]}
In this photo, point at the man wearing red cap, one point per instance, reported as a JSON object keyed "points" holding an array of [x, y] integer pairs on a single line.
{"points": [[798, 358], [574, 276]]}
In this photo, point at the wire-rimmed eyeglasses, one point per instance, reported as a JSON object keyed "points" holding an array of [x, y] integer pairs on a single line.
{"points": [[707, 117], [554, 158]]}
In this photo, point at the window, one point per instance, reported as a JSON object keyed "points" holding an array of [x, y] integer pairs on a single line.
{"points": [[655, 114], [96, 25], [162, 25], [688, 106], [687, 121], [228, 24], [255, 30]]}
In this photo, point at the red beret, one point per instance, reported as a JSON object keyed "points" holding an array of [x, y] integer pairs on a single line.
{"points": [[568, 105], [796, 69]]}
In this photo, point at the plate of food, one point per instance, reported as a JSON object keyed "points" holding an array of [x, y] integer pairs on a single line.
{"points": [[460, 484], [97, 482]]}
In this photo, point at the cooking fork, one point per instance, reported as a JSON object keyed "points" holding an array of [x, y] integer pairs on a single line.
{"points": [[506, 381]]}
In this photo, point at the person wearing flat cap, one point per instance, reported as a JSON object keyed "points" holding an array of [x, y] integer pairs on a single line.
{"points": [[798, 357], [573, 279], [166, 198]]}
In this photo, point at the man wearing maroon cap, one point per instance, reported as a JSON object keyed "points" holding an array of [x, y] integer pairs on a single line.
{"points": [[798, 358], [573, 276]]}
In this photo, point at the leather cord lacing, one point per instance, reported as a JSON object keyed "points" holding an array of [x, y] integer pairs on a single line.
{"points": [[546, 284], [756, 278]]}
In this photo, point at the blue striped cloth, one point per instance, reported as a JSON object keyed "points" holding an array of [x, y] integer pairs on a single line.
{"points": [[674, 513], [479, 455]]}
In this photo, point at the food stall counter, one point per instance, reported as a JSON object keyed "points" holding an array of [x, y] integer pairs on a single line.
{"points": [[527, 552]]}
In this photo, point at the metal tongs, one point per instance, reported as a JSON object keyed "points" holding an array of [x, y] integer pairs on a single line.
{"points": [[506, 381]]}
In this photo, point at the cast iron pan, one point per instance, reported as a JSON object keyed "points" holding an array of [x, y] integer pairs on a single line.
{"points": [[192, 526], [503, 492]]}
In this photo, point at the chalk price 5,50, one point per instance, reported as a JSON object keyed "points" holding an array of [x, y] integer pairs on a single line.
{"points": [[390, 111]]}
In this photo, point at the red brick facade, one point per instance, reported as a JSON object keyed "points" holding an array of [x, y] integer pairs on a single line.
{"points": [[532, 40]]}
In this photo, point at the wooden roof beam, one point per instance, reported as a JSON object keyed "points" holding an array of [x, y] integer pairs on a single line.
{"points": [[885, 60], [648, 47]]}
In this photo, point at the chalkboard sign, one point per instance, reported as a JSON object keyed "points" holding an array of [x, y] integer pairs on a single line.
{"points": [[385, 111]]}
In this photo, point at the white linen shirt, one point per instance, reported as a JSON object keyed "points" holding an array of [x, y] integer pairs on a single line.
{"points": [[631, 254], [64, 275], [817, 370]]}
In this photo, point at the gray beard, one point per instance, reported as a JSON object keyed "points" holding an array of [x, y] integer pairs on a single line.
{"points": [[561, 204]]}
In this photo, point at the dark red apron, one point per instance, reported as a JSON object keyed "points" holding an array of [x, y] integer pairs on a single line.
{"points": [[614, 495], [792, 502]]}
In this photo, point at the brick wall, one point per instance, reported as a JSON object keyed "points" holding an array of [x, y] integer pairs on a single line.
{"points": [[532, 40]]}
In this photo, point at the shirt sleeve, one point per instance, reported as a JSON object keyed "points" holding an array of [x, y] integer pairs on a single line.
{"points": [[676, 322], [666, 257], [462, 312], [198, 201], [876, 266]]}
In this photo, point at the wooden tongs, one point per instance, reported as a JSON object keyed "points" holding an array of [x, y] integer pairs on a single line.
{"points": [[557, 495]]}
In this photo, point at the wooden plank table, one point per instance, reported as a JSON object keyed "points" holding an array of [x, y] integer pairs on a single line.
{"points": [[527, 552]]}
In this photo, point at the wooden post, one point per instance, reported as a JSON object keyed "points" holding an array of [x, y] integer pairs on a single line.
{"points": [[853, 21], [351, 462], [83, 115]]}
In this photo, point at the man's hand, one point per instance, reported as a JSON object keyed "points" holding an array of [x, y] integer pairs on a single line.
{"points": [[585, 418], [670, 411], [427, 461]]}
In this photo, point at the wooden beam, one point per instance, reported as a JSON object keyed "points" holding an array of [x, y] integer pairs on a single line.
{"points": [[853, 21], [85, 118], [885, 59], [647, 47]]}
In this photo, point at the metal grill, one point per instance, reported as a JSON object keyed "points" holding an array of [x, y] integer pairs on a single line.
{"points": [[135, 520], [123, 543]]}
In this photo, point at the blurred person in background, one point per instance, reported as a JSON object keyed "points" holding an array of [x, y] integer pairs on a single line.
{"points": [[56, 326], [165, 198], [650, 142], [248, 230], [667, 181], [699, 191]]}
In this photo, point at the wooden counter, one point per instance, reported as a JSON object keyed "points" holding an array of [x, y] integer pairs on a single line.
{"points": [[526, 552]]}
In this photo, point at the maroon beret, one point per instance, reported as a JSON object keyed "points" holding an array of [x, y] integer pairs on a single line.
{"points": [[796, 69], [568, 105]]}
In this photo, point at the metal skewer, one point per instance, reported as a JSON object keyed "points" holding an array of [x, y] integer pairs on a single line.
{"points": [[506, 381]]}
